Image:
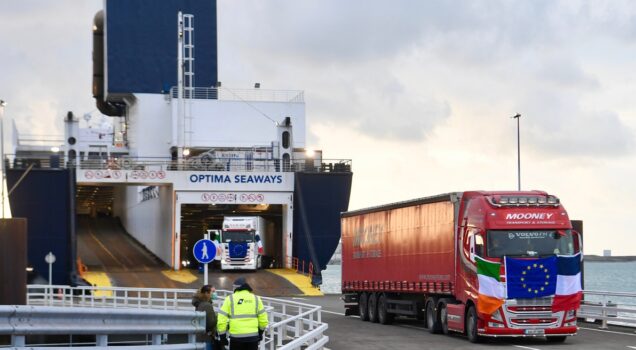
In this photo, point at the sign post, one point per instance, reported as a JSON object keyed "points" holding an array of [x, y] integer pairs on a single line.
{"points": [[204, 251], [50, 259]]}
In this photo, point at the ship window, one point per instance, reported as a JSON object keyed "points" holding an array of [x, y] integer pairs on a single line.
{"points": [[285, 139]]}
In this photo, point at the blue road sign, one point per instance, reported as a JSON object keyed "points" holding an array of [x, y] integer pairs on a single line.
{"points": [[204, 251]]}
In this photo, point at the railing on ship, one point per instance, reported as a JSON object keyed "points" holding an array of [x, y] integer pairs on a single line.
{"points": [[293, 325], [251, 95], [57, 161]]}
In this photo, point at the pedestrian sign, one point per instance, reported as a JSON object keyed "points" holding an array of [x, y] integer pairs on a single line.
{"points": [[204, 251]]}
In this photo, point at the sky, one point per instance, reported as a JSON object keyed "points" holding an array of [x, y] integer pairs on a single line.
{"points": [[418, 94]]}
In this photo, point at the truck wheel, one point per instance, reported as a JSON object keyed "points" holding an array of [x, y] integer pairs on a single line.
{"points": [[557, 339], [471, 325], [373, 308], [384, 317], [363, 307], [443, 317], [432, 322]]}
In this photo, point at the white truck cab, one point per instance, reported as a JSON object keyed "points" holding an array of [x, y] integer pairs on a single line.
{"points": [[242, 242]]}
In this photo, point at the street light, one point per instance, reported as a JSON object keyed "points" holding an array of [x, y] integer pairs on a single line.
{"points": [[3, 103], [518, 116]]}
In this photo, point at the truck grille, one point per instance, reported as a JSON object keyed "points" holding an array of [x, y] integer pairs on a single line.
{"points": [[546, 301]]}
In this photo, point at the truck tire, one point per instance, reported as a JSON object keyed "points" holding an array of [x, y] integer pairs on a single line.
{"points": [[384, 317], [443, 317], [471, 325], [373, 307], [363, 306], [432, 321], [557, 339]]}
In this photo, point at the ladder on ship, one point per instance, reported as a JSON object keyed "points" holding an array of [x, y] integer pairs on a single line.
{"points": [[188, 77]]}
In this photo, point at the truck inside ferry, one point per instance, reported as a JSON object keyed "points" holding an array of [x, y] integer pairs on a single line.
{"points": [[196, 219]]}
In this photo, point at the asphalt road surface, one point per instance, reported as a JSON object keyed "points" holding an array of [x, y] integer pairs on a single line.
{"points": [[349, 333]]}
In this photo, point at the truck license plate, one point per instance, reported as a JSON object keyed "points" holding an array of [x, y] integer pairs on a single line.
{"points": [[535, 331]]}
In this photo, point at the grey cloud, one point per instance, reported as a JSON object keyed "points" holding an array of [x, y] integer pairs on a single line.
{"points": [[45, 67], [558, 127], [385, 111], [566, 73], [353, 30]]}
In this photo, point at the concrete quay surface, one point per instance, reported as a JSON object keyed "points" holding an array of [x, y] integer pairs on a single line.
{"points": [[350, 333]]}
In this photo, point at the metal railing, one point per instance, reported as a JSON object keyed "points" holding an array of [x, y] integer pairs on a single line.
{"points": [[20, 321], [609, 307], [292, 325], [192, 164], [251, 95]]}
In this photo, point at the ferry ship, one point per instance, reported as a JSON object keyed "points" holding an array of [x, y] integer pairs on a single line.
{"points": [[177, 153]]}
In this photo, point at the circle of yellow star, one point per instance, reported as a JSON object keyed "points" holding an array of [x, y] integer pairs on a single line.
{"points": [[528, 267], [535, 265], [529, 289]]}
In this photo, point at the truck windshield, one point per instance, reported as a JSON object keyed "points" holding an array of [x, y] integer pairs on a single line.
{"points": [[522, 243], [237, 236]]}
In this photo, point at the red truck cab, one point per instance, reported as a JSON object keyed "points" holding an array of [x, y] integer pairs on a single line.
{"points": [[525, 225]]}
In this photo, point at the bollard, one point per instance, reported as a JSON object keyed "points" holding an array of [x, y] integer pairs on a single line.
{"points": [[604, 316]]}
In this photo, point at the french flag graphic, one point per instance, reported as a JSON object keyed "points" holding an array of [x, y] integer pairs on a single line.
{"points": [[568, 284]]}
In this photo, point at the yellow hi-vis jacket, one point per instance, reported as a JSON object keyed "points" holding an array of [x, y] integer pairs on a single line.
{"points": [[242, 315]]}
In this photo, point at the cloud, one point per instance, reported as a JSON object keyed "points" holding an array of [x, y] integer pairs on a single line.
{"points": [[558, 126], [45, 66]]}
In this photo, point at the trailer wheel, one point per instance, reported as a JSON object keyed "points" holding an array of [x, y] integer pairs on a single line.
{"points": [[363, 306], [432, 321], [384, 317], [471, 325], [373, 308]]}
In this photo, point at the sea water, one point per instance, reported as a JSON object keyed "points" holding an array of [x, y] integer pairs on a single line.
{"points": [[597, 276]]}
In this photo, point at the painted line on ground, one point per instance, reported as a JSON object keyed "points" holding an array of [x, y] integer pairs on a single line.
{"points": [[606, 331], [337, 313], [631, 347], [296, 298], [106, 249], [525, 347], [356, 316]]}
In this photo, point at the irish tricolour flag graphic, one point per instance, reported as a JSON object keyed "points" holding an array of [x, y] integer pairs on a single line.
{"points": [[491, 290]]}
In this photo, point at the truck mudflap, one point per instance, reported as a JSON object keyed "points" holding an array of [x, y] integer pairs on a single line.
{"points": [[530, 332]]}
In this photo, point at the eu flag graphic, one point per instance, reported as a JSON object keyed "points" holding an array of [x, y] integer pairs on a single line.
{"points": [[531, 278]]}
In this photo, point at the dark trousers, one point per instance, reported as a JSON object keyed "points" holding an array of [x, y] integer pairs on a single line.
{"points": [[238, 345]]}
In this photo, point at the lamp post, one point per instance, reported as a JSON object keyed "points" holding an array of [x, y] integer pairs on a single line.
{"points": [[518, 116], [2, 104]]}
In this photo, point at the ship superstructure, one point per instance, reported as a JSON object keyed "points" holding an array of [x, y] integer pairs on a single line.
{"points": [[179, 151]]}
